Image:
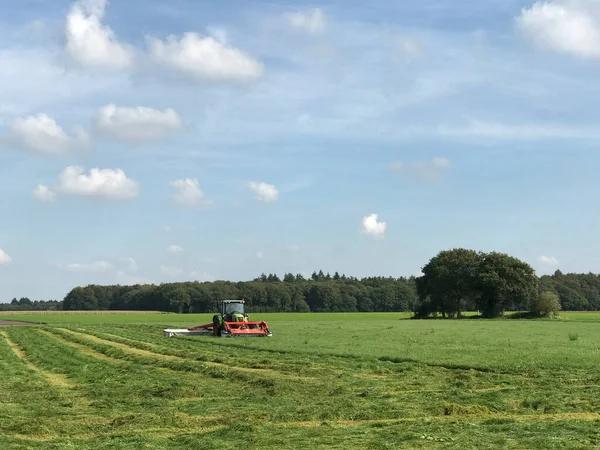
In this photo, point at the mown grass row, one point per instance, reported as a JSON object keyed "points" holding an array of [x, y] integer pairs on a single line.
{"points": [[200, 348], [130, 387], [449, 391], [108, 385], [263, 396], [126, 402], [26, 395]]}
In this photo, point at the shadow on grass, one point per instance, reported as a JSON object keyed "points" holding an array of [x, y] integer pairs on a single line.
{"points": [[519, 315]]}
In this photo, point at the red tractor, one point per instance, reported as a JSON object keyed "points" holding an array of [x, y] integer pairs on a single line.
{"points": [[231, 321]]}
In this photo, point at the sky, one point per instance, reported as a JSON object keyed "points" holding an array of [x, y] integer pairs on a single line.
{"points": [[151, 141]]}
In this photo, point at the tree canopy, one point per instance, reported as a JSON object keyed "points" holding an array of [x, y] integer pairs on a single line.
{"points": [[453, 281], [459, 279], [266, 293]]}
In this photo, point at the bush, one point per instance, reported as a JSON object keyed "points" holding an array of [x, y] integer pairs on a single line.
{"points": [[573, 336], [545, 304]]}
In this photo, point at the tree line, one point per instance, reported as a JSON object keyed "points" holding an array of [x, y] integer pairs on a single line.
{"points": [[452, 282], [267, 293], [26, 304]]}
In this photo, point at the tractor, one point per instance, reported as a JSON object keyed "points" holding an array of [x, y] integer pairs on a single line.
{"points": [[231, 321]]}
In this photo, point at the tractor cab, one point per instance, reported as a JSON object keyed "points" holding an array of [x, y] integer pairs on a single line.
{"points": [[234, 311]]}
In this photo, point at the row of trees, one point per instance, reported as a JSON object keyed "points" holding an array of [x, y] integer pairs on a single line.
{"points": [[265, 294], [26, 304], [577, 292], [453, 281]]}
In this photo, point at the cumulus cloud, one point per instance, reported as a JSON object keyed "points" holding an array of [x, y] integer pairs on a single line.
{"points": [[171, 271], [136, 124], [204, 58], [94, 267], [311, 22], [259, 255], [90, 43], [188, 192], [4, 258], [175, 249], [428, 170], [565, 26], [372, 227], [548, 261], [110, 184], [41, 134], [43, 194], [264, 192], [132, 265]]}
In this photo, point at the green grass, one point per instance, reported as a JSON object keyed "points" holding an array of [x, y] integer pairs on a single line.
{"points": [[370, 381]]}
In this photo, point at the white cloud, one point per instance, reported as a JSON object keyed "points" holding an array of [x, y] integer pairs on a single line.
{"points": [[92, 44], [292, 248], [311, 21], [259, 255], [4, 258], [110, 184], [372, 227], [136, 124], [171, 271], [264, 192], [94, 267], [188, 192], [204, 58], [167, 229], [567, 26], [43, 194], [548, 261], [132, 265], [41, 134], [175, 249], [428, 170]]}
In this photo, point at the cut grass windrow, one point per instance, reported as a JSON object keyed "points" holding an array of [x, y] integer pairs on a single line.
{"points": [[331, 404], [82, 348], [30, 392], [103, 378], [327, 355], [152, 351], [320, 382], [594, 417], [145, 348], [412, 380], [55, 379]]}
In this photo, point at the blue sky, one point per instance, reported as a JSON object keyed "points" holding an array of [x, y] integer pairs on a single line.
{"points": [[167, 141]]}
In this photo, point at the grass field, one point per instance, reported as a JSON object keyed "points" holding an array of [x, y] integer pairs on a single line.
{"points": [[375, 381]]}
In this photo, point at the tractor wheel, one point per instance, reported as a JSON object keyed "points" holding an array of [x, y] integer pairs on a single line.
{"points": [[216, 326]]}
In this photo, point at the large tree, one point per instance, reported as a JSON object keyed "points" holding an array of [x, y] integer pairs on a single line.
{"points": [[504, 282], [80, 299], [449, 282]]}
